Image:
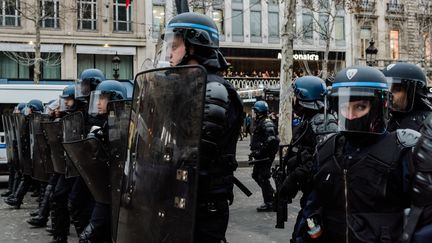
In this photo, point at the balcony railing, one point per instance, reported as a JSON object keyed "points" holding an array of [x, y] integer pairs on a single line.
{"points": [[252, 87], [366, 6], [395, 8]]}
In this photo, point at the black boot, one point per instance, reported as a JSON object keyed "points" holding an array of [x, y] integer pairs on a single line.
{"points": [[41, 219], [22, 189], [10, 182], [34, 213], [266, 207], [59, 239]]}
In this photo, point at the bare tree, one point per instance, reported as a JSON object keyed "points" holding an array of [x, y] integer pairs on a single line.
{"points": [[324, 14], [43, 13], [288, 35]]}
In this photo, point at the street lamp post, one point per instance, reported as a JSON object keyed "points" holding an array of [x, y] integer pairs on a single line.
{"points": [[116, 66], [371, 53]]}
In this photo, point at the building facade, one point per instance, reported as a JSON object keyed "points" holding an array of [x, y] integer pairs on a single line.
{"points": [[75, 35], [400, 29], [81, 34]]}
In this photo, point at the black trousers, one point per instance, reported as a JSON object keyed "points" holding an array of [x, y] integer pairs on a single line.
{"points": [[261, 174], [211, 222]]}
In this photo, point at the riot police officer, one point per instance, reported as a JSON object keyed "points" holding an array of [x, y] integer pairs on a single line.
{"points": [[264, 145], [40, 216], [14, 173], [24, 185], [194, 39], [361, 187], [410, 104], [307, 94], [98, 229]]}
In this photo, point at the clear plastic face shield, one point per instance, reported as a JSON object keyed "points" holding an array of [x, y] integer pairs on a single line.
{"points": [[98, 103], [359, 109], [171, 48], [66, 104], [51, 108], [82, 88], [403, 92], [27, 111]]}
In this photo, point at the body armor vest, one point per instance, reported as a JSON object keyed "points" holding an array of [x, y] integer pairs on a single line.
{"points": [[221, 122], [362, 189]]}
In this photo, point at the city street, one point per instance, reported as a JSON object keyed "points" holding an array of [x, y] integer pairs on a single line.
{"points": [[246, 225]]}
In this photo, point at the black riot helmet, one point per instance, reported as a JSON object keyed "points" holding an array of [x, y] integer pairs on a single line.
{"points": [[360, 97], [407, 82], [307, 94], [200, 36], [89, 79], [109, 90]]}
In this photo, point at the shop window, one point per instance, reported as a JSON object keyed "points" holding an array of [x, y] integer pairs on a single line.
{"points": [[50, 9], [50, 66], [122, 16], [365, 37], [394, 44], [104, 63], [218, 18], [307, 26], [87, 10], [255, 23], [237, 23], [339, 26], [324, 27], [9, 15], [158, 20]]}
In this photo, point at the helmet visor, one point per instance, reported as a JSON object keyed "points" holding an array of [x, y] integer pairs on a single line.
{"points": [[171, 49], [363, 110], [82, 88], [403, 92], [98, 103], [66, 104]]}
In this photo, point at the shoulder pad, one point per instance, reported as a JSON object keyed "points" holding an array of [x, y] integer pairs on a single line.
{"points": [[407, 137], [215, 92], [320, 126], [321, 140]]}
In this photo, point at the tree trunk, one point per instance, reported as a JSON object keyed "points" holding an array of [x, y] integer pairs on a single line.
{"points": [[285, 106], [324, 72], [37, 46]]}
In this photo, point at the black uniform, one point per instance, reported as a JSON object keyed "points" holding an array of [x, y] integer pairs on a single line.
{"points": [[264, 144], [221, 125], [360, 193]]}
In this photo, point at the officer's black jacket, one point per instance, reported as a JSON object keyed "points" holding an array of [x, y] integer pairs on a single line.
{"points": [[360, 192], [264, 143], [217, 157]]}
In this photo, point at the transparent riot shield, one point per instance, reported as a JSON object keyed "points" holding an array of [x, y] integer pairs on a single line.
{"points": [[92, 162], [54, 134], [73, 130], [37, 154], [23, 143], [118, 123], [159, 187]]}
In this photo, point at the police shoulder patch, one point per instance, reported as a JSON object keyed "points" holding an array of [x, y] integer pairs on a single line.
{"points": [[407, 137]]}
